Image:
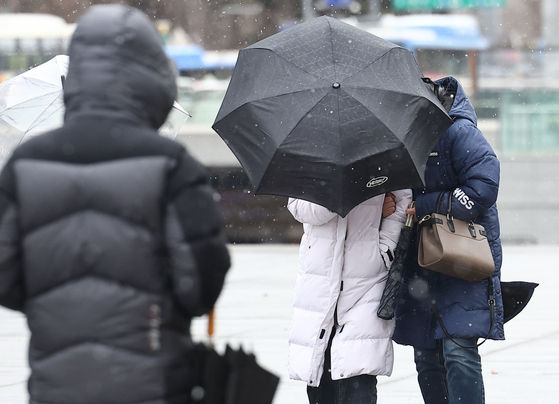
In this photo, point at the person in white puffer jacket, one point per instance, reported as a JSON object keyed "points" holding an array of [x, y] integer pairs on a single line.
{"points": [[337, 343]]}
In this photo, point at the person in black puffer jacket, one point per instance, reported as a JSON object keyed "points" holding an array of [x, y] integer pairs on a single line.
{"points": [[111, 239]]}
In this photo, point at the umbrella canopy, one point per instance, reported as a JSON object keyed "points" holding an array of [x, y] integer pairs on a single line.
{"points": [[516, 296], [329, 113], [33, 102]]}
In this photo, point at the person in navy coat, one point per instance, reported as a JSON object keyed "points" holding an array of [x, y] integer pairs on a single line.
{"points": [[464, 165]]}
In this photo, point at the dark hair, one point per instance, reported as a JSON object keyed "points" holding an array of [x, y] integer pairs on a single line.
{"points": [[445, 97]]}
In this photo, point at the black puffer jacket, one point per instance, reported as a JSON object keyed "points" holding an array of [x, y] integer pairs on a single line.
{"points": [[110, 239]]}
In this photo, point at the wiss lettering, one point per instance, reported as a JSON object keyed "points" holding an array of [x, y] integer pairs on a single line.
{"points": [[463, 198]]}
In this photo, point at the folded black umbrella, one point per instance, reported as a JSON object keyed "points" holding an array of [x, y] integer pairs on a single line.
{"points": [[387, 305], [211, 373], [331, 114], [232, 378], [248, 383]]}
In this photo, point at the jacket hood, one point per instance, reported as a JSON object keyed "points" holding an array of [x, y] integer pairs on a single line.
{"points": [[118, 67], [462, 107]]}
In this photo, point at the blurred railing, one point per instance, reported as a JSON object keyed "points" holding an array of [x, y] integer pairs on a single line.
{"points": [[521, 90]]}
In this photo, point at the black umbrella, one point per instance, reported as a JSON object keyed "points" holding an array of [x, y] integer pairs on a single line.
{"points": [[516, 296], [232, 378], [387, 305], [329, 113], [248, 382]]}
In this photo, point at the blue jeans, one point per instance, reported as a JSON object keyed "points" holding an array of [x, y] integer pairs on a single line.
{"points": [[360, 389], [450, 374]]}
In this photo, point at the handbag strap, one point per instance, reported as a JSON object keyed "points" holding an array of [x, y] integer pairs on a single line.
{"points": [[449, 217], [439, 200], [491, 302]]}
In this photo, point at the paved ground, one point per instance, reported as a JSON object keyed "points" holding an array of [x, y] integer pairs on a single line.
{"points": [[256, 306]]}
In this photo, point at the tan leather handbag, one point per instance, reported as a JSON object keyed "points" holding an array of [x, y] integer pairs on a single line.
{"points": [[454, 247]]}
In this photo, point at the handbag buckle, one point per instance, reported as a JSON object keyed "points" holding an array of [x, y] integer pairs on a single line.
{"points": [[450, 223], [424, 219], [472, 229]]}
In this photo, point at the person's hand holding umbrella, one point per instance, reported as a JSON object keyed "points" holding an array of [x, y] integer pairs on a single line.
{"points": [[411, 211], [389, 205]]}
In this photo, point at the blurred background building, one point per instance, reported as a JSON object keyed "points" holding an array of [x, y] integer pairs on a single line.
{"points": [[504, 52]]}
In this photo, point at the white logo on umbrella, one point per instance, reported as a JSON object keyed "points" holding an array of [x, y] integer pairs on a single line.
{"points": [[375, 182]]}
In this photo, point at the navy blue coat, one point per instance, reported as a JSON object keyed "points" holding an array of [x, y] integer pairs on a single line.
{"points": [[463, 163]]}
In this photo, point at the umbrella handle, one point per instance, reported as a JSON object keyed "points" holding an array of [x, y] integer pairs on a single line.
{"points": [[409, 220], [211, 324]]}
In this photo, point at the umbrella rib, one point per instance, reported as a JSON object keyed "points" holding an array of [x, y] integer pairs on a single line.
{"points": [[18, 105], [332, 53], [294, 126], [341, 145], [306, 113], [415, 95], [279, 95], [376, 60], [35, 121], [49, 105], [379, 120], [288, 61]]}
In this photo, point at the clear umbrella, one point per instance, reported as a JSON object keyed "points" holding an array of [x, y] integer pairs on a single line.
{"points": [[32, 103]]}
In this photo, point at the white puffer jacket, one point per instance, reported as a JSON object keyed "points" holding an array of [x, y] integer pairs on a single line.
{"points": [[340, 282]]}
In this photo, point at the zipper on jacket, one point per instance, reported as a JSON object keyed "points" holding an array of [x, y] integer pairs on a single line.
{"points": [[336, 324]]}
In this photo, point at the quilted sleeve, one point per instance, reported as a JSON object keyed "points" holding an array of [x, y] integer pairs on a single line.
{"points": [[198, 255], [11, 274], [309, 213]]}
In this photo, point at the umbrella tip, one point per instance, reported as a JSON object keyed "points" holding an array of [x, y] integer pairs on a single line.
{"points": [[62, 79]]}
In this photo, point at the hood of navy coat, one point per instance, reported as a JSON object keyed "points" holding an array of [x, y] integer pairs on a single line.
{"points": [[462, 107], [118, 67]]}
